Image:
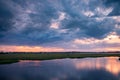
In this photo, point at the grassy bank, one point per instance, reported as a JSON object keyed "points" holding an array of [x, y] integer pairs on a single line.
{"points": [[8, 61], [47, 56], [15, 57]]}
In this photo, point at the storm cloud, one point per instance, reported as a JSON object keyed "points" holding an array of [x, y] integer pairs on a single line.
{"points": [[45, 22]]}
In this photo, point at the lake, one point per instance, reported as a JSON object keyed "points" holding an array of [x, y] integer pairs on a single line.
{"points": [[103, 68]]}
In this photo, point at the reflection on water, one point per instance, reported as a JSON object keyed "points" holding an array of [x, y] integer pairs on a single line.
{"points": [[111, 64], [106, 68]]}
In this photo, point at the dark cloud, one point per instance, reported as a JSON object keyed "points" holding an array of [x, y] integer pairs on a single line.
{"points": [[90, 27], [116, 6], [36, 25], [5, 18], [28, 22]]}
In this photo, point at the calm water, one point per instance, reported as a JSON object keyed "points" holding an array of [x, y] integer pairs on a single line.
{"points": [[107, 68]]}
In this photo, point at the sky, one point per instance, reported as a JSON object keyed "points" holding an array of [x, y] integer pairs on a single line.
{"points": [[59, 25]]}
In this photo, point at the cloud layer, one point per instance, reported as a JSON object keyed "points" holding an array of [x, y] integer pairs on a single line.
{"points": [[58, 23]]}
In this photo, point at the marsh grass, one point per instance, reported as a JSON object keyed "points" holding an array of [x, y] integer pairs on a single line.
{"points": [[15, 57]]}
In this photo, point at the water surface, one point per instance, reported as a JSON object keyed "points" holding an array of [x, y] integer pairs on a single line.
{"points": [[105, 68]]}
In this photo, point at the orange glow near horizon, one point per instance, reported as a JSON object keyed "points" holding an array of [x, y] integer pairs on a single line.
{"points": [[5, 48]]}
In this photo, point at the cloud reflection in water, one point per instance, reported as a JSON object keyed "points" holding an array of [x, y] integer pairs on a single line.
{"points": [[63, 69]]}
